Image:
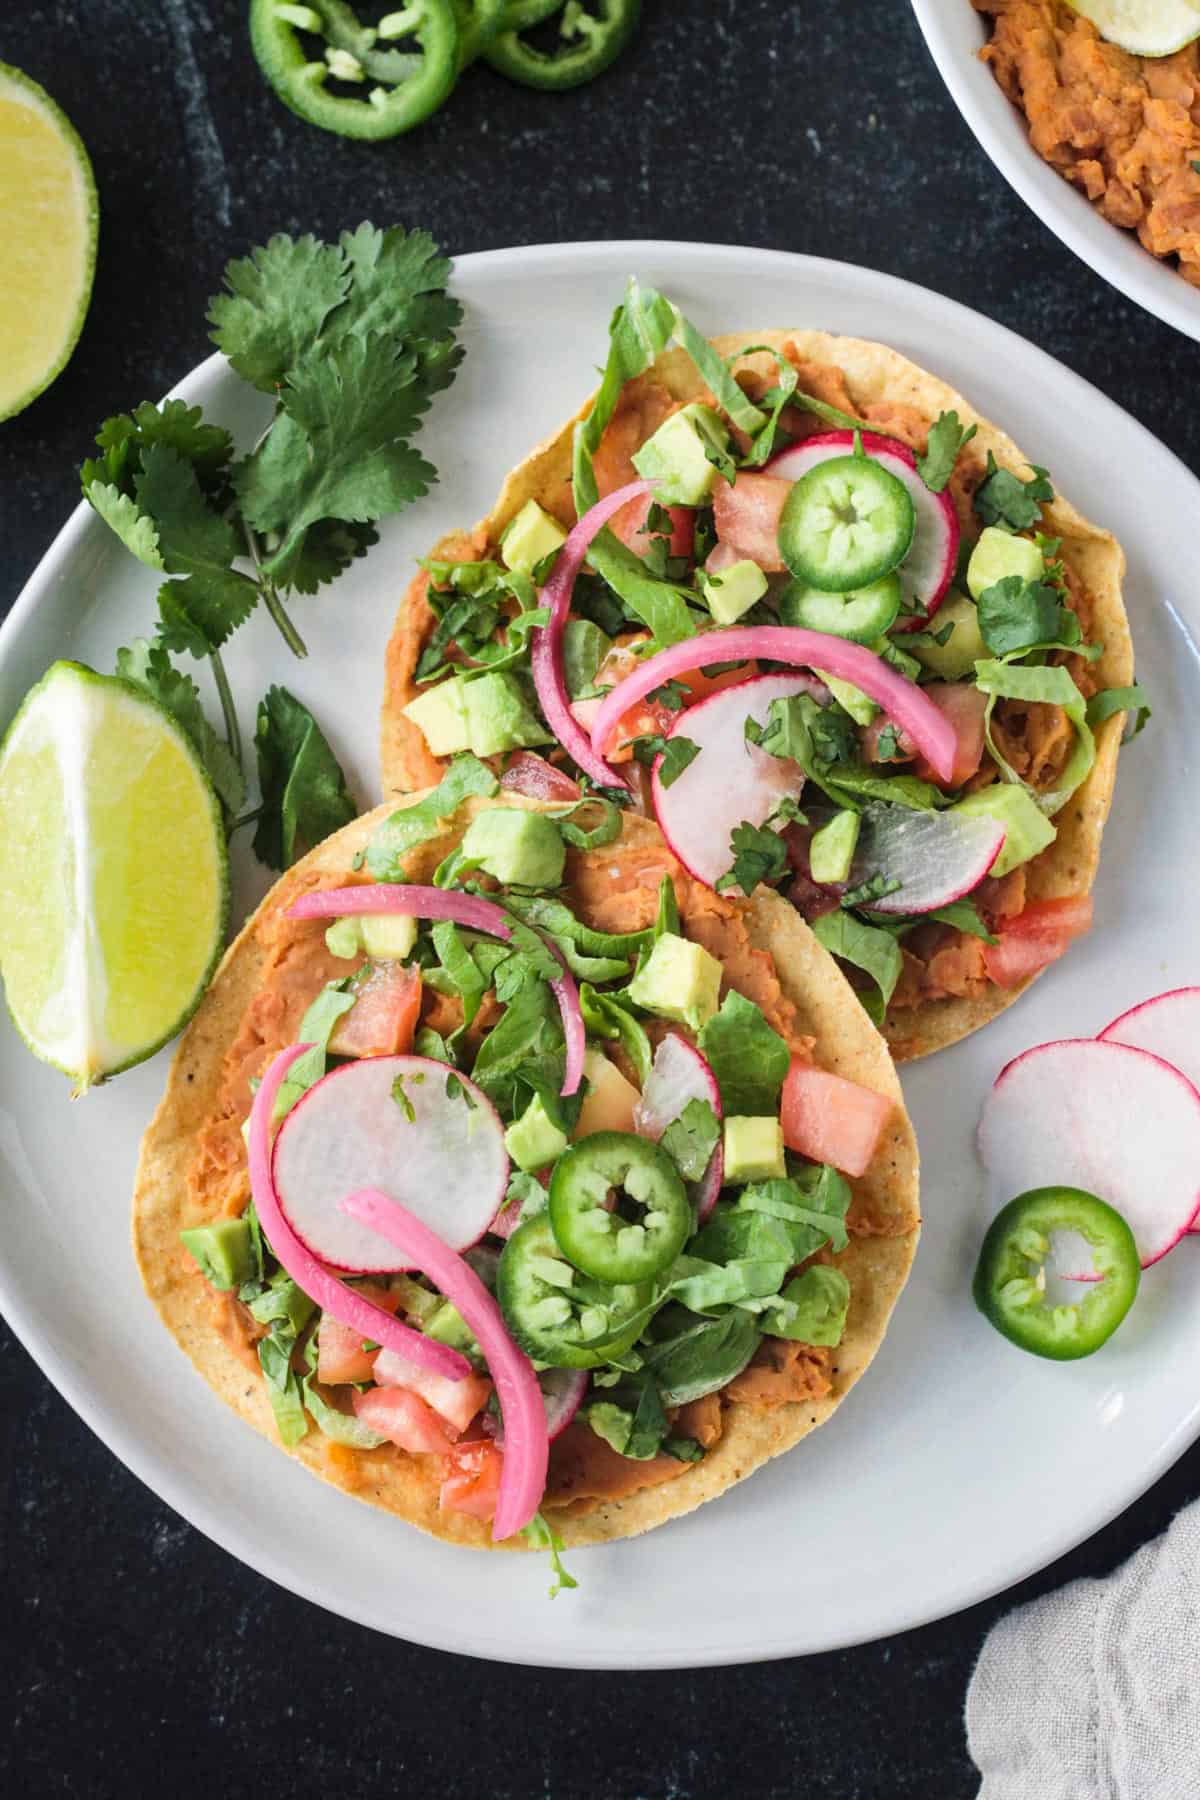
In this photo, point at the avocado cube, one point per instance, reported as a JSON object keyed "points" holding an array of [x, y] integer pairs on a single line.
{"points": [[860, 706], [344, 938], [529, 538], [963, 648], [831, 851], [447, 1326], [998, 554], [753, 1149], [440, 714], [387, 937], [521, 849], [679, 980], [677, 455], [498, 715], [733, 591], [224, 1251], [1027, 830], [534, 1139]]}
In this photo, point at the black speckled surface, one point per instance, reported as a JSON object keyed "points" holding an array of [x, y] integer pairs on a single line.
{"points": [[137, 1657]]}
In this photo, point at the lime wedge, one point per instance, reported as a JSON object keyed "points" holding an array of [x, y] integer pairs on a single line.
{"points": [[114, 891], [48, 221], [1144, 27]]}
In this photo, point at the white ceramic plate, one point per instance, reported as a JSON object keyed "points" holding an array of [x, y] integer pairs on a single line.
{"points": [[959, 1465], [955, 34]]}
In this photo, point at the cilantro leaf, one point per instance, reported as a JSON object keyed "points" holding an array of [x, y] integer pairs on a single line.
{"points": [[678, 754], [1004, 500], [148, 665], [746, 1055], [125, 517], [328, 549], [278, 298], [304, 793], [759, 854], [124, 438], [198, 543], [1015, 614], [397, 283], [947, 438], [542, 1536], [691, 1138], [818, 738]]}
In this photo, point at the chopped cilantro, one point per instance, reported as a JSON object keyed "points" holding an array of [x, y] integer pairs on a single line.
{"points": [[1003, 499], [947, 437], [758, 855]]}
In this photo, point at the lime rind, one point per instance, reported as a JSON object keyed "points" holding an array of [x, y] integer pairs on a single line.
{"points": [[18, 87], [1144, 27]]}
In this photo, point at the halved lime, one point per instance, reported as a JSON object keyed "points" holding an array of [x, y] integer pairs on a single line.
{"points": [[1144, 27], [114, 889], [48, 224]]}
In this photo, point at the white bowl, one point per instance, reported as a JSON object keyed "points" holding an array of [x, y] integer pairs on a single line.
{"points": [[955, 34]]}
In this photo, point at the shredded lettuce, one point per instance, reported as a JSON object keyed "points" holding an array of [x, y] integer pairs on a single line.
{"points": [[604, 1016], [747, 1056], [542, 1536], [812, 1308], [866, 947], [316, 1029], [1110, 701], [1054, 686], [691, 1139], [413, 825], [342, 1427]]}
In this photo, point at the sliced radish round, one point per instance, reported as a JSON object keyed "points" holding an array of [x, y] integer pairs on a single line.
{"points": [[1167, 1026], [928, 569], [446, 1162], [936, 857], [730, 781], [680, 1074], [1115, 1121], [563, 1392]]}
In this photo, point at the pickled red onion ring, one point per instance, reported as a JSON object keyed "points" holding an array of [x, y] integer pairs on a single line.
{"points": [[400, 897]]}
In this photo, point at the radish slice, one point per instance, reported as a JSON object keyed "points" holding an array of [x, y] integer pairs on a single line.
{"points": [[574, 1030], [903, 701], [731, 780], [563, 1392], [1167, 1026], [331, 1295], [527, 1445], [549, 677], [353, 1129], [936, 857], [680, 1074], [1115, 1121], [928, 569], [399, 897]]}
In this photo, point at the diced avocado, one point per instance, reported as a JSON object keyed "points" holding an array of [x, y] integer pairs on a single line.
{"points": [[534, 1139], [521, 849], [677, 455], [753, 1149], [897, 659], [832, 848], [1027, 829], [388, 937], [734, 591], [344, 938], [997, 554], [860, 706], [224, 1251], [498, 715], [531, 535], [448, 1326], [585, 647], [963, 648], [679, 980], [440, 714]]}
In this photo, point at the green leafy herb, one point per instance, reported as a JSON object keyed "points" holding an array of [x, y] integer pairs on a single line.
{"points": [[1001, 680], [697, 1356], [865, 947], [1110, 701], [948, 436], [1004, 500], [887, 748], [691, 1138], [812, 1308], [606, 831], [413, 825], [875, 887], [316, 1028], [1018, 615], [632, 1421], [542, 1535], [605, 1017], [402, 1097], [304, 793], [746, 1055], [759, 854], [819, 738]]}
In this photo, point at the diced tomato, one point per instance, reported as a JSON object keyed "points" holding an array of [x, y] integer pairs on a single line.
{"points": [[1036, 937], [700, 685], [964, 705], [904, 749], [340, 1353], [404, 1418], [629, 526], [383, 1019], [649, 718], [747, 517], [472, 1480], [531, 775], [832, 1120], [456, 1402]]}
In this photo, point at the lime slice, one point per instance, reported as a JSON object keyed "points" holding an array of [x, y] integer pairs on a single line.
{"points": [[114, 891], [48, 221], [1144, 27]]}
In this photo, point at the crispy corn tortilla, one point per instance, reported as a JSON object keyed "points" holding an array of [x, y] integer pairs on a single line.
{"points": [[873, 373], [877, 1267]]}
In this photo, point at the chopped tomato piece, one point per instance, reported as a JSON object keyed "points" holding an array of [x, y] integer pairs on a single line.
{"points": [[629, 525], [340, 1353], [404, 1418], [900, 746], [531, 775], [649, 718], [747, 517], [472, 1479], [383, 1019], [1036, 937], [964, 705], [832, 1120], [457, 1402]]}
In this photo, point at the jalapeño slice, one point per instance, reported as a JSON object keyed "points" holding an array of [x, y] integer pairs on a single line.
{"points": [[393, 75], [863, 617], [591, 35], [618, 1207], [557, 1315], [1010, 1281], [846, 524]]}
